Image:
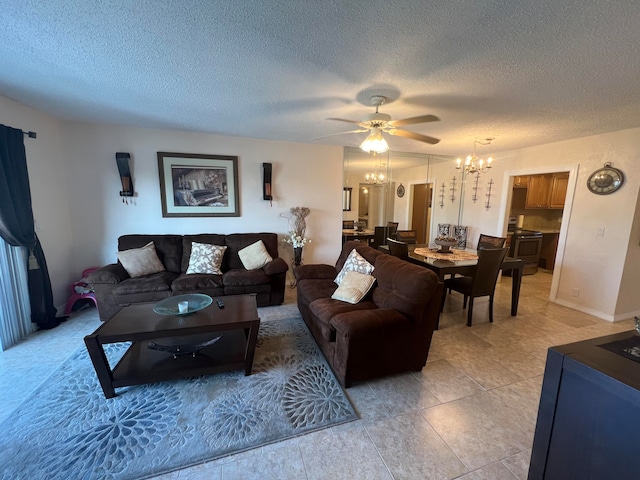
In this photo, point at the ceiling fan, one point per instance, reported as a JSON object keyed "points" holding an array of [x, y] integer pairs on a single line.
{"points": [[376, 123]]}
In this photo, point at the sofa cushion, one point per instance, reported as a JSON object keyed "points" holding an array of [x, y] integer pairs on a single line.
{"points": [[354, 287], [403, 286], [254, 256], [141, 261], [205, 258], [156, 282], [196, 281], [370, 254], [208, 238], [324, 309], [312, 289], [168, 248], [242, 277], [237, 241], [354, 263]]}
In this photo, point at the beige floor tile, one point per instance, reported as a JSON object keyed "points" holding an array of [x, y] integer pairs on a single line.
{"points": [[403, 393], [341, 455], [473, 434], [493, 471], [447, 382], [284, 463], [412, 449], [367, 404], [519, 464], [485, 370]]}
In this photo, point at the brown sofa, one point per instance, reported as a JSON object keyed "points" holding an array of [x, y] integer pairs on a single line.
{"points": [[114, 288], [388, 332]]}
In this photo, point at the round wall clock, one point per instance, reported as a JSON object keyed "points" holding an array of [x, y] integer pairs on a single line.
{"points": [[400, 190], [605, 180]]}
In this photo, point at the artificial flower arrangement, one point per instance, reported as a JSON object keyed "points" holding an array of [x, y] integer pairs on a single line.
{"points": [[297, 225], [296, 240]]}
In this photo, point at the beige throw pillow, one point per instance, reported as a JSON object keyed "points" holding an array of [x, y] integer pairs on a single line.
{"points": [[354, 287], [354, 263], [206, 258], [254, 256], [141, 261]]}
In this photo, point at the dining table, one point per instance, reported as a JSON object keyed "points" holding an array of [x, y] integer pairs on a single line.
{"points": [[362, 235], [462, 262]]}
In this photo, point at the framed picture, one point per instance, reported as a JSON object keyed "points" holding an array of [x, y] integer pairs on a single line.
{"points": [[193, 185]]}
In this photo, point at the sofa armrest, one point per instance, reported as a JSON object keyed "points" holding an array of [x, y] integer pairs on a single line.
{"points": [[317, 271], [275, 266], [109, 274], [378, 322]]}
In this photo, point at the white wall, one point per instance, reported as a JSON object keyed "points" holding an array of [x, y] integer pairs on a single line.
{"points": [[80, 214]]}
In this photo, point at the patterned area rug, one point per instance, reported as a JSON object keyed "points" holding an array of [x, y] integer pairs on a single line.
{"points": [[67, 429]]}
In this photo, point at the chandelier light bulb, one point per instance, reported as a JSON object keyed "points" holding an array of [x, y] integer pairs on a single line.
{"points": [[473, 164]]}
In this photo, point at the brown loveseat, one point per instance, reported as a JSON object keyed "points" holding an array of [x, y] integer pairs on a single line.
{"points": [[387, 332], [114, 288]]}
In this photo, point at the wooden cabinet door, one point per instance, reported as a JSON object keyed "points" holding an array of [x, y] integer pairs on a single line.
{"points": [[558, 190], [538, 191], [521, 181]]}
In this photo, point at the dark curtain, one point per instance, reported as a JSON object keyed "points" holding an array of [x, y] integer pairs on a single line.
{"points": [[17, 226]]}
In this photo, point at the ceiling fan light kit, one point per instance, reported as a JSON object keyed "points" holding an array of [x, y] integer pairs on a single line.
{"points": [[378, 123]]}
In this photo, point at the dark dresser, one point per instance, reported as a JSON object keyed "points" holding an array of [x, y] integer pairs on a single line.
{"points": [[588, 423]]}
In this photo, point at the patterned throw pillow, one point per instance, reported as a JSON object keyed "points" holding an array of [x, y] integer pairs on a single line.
{"points": [[205, 258], [141, 261], [355, 263], [354, 287], [254, 256]]}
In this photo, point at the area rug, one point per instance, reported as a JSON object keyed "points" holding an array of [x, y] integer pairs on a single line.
{"points": [[67, 429]]}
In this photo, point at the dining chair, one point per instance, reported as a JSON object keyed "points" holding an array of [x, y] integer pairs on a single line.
{"points": [[393, 227], [407, 236], [398, 249], [487, 241], [481, 284], [379, 236]]}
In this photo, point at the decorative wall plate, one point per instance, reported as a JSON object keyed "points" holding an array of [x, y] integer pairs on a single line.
{"points": [[400, 190], [605, 180]]}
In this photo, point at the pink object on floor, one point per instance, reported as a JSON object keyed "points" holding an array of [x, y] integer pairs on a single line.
{"points": [[79, 291]]}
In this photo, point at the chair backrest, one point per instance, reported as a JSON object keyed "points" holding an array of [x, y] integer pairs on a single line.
{"points": [[398, 249], [487, 241], [407, 236], [393, 227], [486, 274], [348, 224], [379, 236]]}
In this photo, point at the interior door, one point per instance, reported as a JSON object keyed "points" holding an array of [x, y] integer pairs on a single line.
{"points": [[420, 211]]}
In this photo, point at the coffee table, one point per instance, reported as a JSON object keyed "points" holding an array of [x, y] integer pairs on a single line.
{"points": [[237, 324]]}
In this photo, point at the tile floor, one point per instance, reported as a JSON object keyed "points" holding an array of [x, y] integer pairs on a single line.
{"points": [[469, 414]]}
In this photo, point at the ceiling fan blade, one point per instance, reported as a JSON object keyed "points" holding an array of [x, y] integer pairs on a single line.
{"points": [[340, 133], [413, 135], [412, 120], [345, 120]]}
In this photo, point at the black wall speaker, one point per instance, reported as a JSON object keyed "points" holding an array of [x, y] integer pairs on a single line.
{"points": [[122, 159], [266, 181]]}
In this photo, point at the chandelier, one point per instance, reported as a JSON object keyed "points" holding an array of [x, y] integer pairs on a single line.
{"points": [[375, 142], [473, 164], [376, 177]]}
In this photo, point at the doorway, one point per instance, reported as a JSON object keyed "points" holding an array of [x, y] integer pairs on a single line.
{"points": [[421, 211]]}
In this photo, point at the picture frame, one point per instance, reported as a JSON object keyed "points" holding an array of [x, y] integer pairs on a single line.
{"points": [[196, 185]]}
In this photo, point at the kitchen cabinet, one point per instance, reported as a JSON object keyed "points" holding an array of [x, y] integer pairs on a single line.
{"points": [[558, 192], [538, 191], [547, 191], [521, 181]]}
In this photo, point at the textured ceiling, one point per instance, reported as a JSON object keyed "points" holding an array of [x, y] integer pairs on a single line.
{"points": [[525, 72]]}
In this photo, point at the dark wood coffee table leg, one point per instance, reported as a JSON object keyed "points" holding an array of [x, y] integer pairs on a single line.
{"points": [[252, 339], [101, 365]]}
